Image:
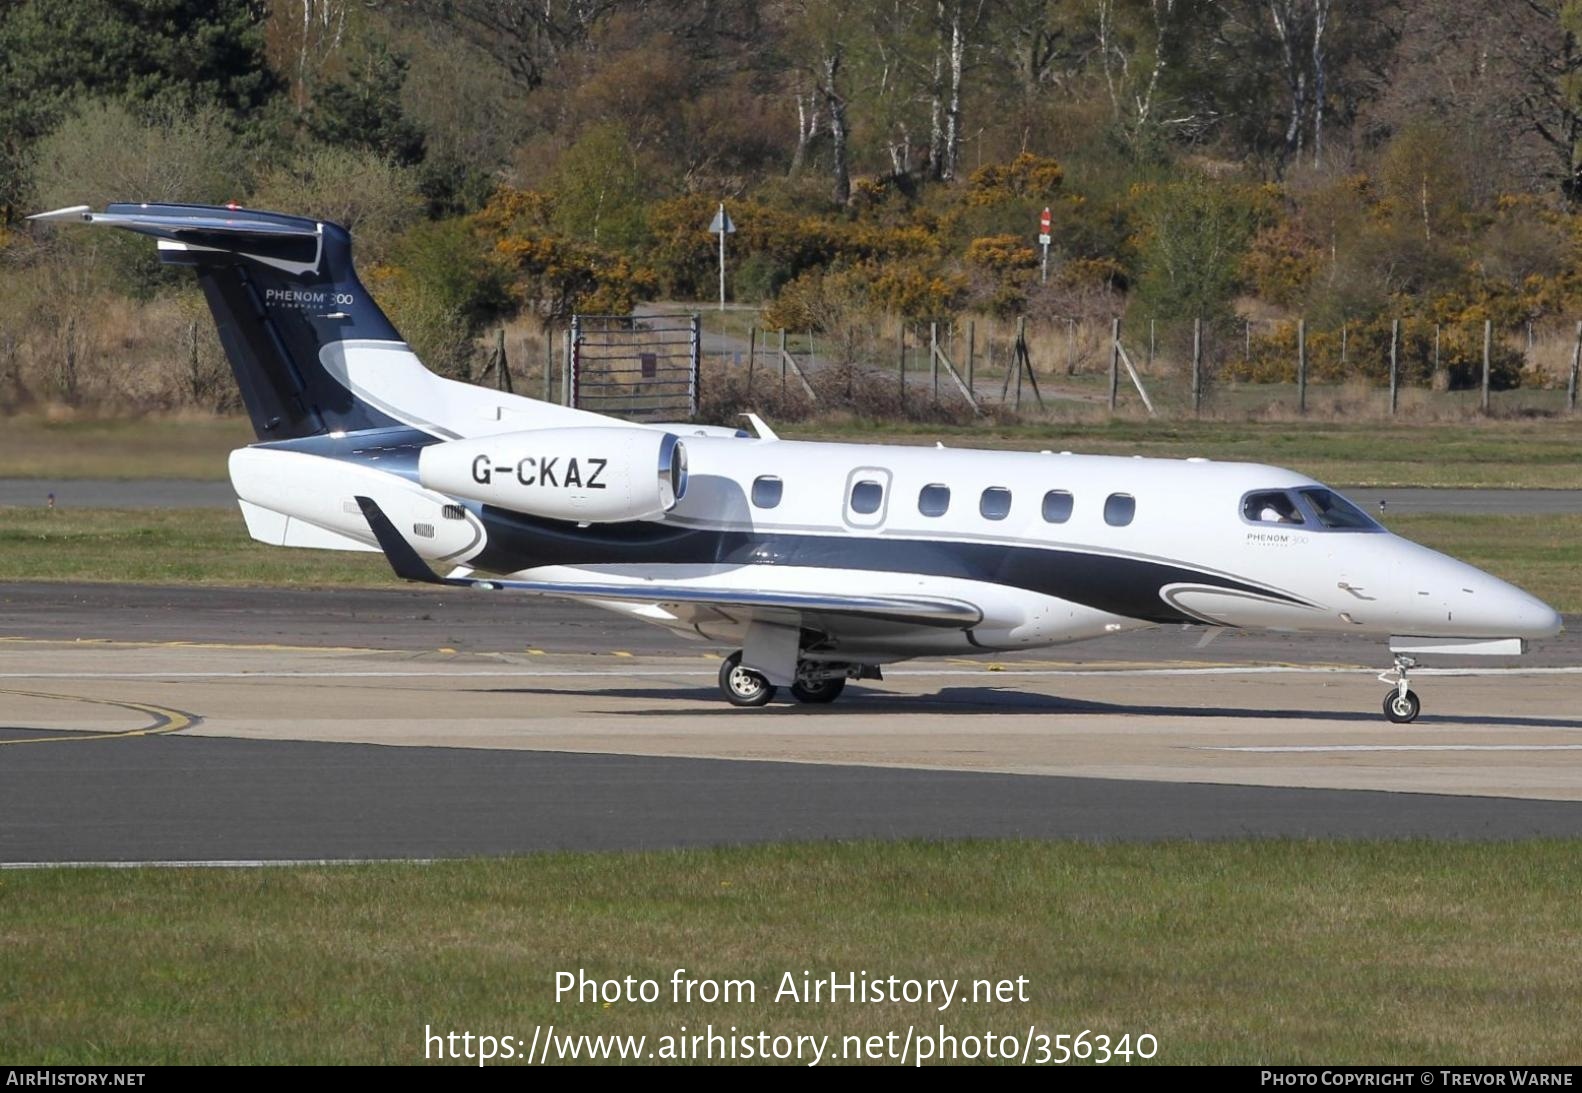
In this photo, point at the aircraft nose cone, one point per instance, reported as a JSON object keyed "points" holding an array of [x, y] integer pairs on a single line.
{"points": [[1537, 619], [1452, 597], [1507, 610]]}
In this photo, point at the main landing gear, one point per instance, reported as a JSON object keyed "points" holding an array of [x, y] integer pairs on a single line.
{"points": [[816, 682], [1401, 705], [743, 686]]}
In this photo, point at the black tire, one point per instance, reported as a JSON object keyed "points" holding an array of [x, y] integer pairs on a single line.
{"points": [[743, 686], [1402, 709], [821, 691]]}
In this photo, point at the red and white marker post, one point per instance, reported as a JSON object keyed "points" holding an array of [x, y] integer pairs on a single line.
{"points": [[1045, 221]]}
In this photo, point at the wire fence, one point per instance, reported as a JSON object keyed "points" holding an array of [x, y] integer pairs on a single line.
{"points": [[668, 366]]}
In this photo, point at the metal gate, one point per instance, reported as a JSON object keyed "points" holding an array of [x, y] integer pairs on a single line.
{"points": [[635, 366]]}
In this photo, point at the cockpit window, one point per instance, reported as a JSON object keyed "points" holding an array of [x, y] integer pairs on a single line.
{"points": [[1334, 511], [1271, 507]]}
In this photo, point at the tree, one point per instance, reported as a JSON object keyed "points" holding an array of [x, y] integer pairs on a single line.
{"points": [[527, 38], [598, 189], [362, 109], [374, 198], [1197, 232], [958, 23], [163, 57], [1134, 44]]}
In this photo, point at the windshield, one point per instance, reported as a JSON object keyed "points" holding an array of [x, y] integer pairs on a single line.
{"points": [[1334, 511]]}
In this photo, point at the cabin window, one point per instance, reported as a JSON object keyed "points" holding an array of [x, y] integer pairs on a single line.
{"points": [[1119, 508], [766, 491], [866, 497], [1057, 506], [1335, 512], [995, 504], [1271, 507], [934, 500]]}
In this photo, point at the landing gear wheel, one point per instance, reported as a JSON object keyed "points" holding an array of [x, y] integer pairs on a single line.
{"points": [[743, 686], [1402, 707], [818, 691]]}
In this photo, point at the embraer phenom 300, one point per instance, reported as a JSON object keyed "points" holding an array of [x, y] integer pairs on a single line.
{"points": [[820, 562]]}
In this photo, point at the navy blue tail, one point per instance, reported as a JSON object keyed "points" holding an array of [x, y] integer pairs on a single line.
{"points": [[281, 289]]}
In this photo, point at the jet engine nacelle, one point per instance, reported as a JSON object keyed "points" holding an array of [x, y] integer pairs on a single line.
{"points": [[590, 475]]}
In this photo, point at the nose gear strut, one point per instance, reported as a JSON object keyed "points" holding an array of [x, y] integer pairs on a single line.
{"points": [[1401, 704]]}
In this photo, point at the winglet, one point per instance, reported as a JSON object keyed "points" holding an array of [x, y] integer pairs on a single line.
{"points": [[406, 562], [760, 427]]}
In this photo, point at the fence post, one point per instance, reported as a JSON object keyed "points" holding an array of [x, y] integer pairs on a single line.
{"points": [[1246, 349], [1301, 366], [1395, 372], [1115, 362], [1150, 343], [901, 392], [1576, 360], [549, 363], [569, 377], [1197, 366], [972, 356], [194, 364], [1488, 338], [1343, 346], [1021, 336], [752, 357], [933, 356], [1071, 347], [503, 377], [1436, 353]]}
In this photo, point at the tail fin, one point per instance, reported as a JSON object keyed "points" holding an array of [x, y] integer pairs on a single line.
{"points": [[282, 290]]}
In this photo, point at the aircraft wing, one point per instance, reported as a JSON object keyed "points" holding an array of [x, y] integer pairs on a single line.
{"points": [[938, 611]]}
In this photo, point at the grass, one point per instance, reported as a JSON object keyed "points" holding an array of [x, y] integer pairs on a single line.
{"points": [[166, 546], [120, 448], [1544, 453], [1542, 554], [1255, 951]]}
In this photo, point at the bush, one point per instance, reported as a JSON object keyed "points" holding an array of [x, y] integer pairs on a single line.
{"points": [[1273, 357], [370, 196], [1197, 231], [102, 152]]}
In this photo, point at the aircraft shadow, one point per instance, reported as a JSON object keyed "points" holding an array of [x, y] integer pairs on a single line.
{"points": [[985, 700]]}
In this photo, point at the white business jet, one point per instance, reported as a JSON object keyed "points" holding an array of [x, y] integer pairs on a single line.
{"points": [[819, 562]]}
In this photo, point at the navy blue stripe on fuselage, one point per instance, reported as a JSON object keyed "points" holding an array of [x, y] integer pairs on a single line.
{"points": [[1118, 584]]}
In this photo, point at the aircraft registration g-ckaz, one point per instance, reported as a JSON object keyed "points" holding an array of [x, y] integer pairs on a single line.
{"points": [[818, 562]]}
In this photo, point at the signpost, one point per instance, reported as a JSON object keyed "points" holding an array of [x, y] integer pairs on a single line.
{"points": [[1045, 221], [721, 225]]}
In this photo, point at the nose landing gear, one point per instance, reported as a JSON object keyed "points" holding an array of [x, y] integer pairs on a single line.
{"points": [[1401, 705]]}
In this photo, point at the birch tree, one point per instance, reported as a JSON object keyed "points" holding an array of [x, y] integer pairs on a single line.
{"points": [[821, 32], [1132, 54]]}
